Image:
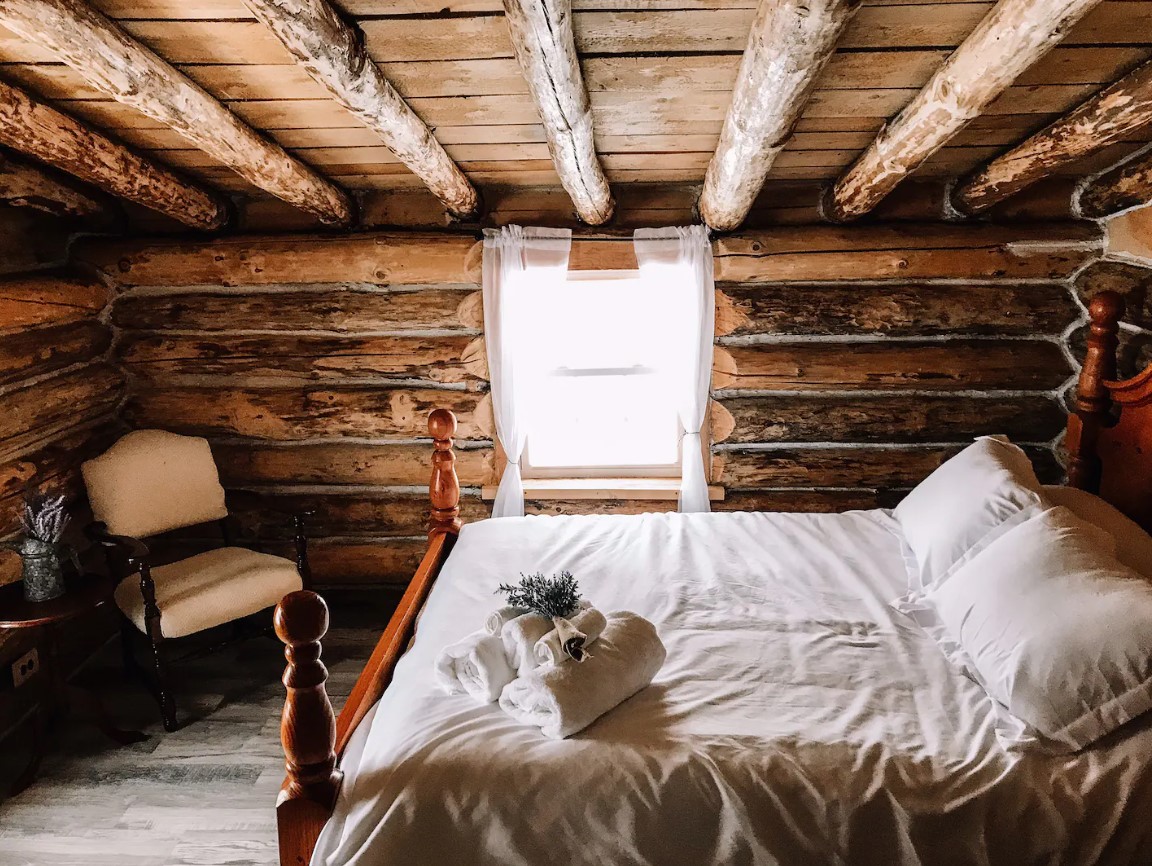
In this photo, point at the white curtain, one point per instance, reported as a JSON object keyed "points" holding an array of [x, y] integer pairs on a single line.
{"points": [[516, 260], [680, 260]]}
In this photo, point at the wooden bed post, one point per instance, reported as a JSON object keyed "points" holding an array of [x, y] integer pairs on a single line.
{"points": [[307, 729], [444, 488], [1093, 404]]}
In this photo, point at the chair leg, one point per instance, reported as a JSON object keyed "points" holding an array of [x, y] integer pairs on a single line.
{"points": [[127, 655], [163, 688]]}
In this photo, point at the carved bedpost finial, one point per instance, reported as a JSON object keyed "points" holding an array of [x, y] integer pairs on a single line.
{"points": [[308, 725], [444, 488], [1093, 400]]}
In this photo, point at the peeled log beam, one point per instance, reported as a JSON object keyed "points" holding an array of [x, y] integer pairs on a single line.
{"points": [[111, 60], [335, 55], [1125, 186], [61, 141], [546, 50], [1009, 39], [790, 43], [25, 185], [1107, 118]]}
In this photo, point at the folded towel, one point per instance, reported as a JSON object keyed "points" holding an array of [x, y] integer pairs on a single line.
{"points": [[564, 699], [496, 620], [519, 636], [475, 665], [573, 642]]}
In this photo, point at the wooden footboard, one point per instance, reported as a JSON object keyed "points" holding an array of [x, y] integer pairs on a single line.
{"points": [[314, 739]]}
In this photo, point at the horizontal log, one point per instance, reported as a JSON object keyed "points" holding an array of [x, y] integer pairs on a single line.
{"points": [[291, 414], [953, 365], [290, 359], [328, 308], [32, 300], [864, 466], [379, 258], [42, 409], [895, 419], [906, 253], [23, 184], [36, 351], [1125, 186], [355, 562], [330, 463], [340, 513], [896, 310], [808, 501]]}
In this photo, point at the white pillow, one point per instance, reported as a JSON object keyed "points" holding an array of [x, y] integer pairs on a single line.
{"points": [[964, 504], [1133, 544], [1053, 627]]}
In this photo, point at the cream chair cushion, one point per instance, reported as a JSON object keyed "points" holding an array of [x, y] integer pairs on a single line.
{"points": [[210, 589], [152, 481]]}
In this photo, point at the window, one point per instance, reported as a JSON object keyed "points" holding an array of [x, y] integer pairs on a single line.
{"points": [[598, 387]]}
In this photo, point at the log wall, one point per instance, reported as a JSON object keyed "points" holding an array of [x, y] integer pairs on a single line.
{"points": [[849, 363]]}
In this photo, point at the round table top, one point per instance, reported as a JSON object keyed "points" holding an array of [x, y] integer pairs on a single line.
{"points": [[83, 594]]}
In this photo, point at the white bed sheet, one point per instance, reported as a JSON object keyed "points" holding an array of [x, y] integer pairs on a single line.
{"points": [[797, 720]]}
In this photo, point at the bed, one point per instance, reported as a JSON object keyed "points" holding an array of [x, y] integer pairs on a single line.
{"points": [[798, 719]]}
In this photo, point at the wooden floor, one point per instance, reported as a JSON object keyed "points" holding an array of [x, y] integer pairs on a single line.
{"points": [[203, 795]]}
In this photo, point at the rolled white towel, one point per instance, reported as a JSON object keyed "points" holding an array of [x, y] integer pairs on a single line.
{"points": [[587, 626], [497, 619], [519, 636], [564, 699], [475, 665]]}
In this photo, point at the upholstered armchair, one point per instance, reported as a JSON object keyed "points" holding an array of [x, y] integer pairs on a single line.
{"points": [[152, 482]]}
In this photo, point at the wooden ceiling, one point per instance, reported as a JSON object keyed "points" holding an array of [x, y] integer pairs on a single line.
{"points": [[659, 73]]}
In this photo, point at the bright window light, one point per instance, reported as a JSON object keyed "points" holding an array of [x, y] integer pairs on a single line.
{"points": [[596, 374]]}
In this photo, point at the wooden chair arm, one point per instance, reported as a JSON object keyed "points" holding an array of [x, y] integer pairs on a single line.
{"points": [[134, 551]]}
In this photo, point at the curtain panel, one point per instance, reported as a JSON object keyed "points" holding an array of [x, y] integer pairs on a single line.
{"points": [[516, 259], [679, 259]]}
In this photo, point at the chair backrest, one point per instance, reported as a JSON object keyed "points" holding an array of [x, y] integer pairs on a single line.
{"points": [[152, 481]]}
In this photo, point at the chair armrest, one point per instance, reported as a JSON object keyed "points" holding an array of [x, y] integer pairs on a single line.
{"points": [[134, 550]]}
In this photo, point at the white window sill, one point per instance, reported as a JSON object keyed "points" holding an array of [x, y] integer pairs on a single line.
{"points": [[603, 488]]}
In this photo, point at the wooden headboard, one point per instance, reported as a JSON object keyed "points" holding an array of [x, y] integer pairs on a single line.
{"points": [[1110, 431]]}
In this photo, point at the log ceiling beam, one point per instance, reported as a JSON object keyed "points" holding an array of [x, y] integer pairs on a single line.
{"points": [[334, 54], [546, 50], [790, 43], [1105, 119], [53, 137], [23, 184], [1009, 39], [1125, 186], [115, 63]]}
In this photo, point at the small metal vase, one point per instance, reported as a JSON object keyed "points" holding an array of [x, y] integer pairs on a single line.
{"points": [[43, 574]]}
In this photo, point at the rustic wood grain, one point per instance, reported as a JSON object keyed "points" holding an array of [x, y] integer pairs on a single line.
{"points": [[404, 464], [955, 365], [893, 309], [38, 411], [34, 128], [335, 55], [331, 307], [1131, 281], [290, 414], [542, 41], [895, 419], [23, 184], [381, 258], [1105, 119], [290, 359], [125, 69], [32, 300], [1127, 185], [36, 351], [788, 47]]}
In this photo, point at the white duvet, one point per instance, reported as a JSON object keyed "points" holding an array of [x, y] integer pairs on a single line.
{"points": [[798, 720]]}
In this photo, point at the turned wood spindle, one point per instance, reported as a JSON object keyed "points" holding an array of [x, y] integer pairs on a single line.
{"points": [[308, 725], [444, 488], [1093, 404]]}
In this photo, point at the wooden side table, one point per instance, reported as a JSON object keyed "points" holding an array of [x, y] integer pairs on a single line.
{"points": [[84, 593]]}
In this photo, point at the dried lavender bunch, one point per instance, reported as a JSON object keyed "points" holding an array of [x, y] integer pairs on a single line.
{"points": [[45, 520], [553, 596]]}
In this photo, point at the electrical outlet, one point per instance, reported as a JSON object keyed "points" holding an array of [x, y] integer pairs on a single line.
{"points": [[25, 667]]}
